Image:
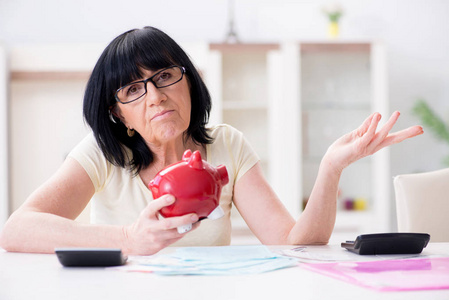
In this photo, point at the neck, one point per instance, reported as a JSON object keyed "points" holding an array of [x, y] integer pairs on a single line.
{"points": [[168, 153]]}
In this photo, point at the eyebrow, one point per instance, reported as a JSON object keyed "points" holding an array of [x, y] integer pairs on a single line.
{"points": [[145, 78]]}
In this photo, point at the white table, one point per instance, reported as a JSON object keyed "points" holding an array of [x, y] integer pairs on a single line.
{"points": [[40, 276]]}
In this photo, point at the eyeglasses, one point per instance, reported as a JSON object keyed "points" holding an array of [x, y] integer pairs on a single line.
{"points": [[136, 90]]}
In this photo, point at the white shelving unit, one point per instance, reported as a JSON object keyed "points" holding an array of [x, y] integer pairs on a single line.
{"points": [[242, 90], [341, 84], [246, 83], [292, 100]]}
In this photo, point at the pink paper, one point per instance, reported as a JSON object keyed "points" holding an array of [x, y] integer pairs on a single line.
{"points": [[390, 275]]}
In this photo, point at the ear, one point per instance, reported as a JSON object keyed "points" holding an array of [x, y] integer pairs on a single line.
{"points": [[115, 110]]}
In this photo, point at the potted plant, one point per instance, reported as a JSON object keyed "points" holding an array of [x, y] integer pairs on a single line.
{"points": [[334, 12], [432, 122]]}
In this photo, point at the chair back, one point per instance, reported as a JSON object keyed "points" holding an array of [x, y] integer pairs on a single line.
{"points": [[422, 203]]}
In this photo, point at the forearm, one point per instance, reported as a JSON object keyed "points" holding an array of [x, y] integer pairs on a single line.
{"points": [[37, 232], [317, 221]]}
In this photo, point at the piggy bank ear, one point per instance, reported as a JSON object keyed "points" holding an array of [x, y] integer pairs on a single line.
{"points": [[186, 155], [223, 174], [196, 161]]}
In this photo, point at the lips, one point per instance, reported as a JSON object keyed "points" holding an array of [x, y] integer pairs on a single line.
{"points": [[161, 114]]}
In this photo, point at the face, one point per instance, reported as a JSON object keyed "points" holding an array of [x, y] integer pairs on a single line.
{"points": [[162, 115]]}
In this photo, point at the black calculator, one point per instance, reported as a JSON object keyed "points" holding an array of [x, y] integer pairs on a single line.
{"points": [[90, 257], [388, 243]]}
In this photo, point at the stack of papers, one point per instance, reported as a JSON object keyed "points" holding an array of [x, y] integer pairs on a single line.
{"points": [[335, 253], [227, 260]]}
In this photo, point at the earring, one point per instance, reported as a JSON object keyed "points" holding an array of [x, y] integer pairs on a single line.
{"points": [[130, 132], [111, 117]]}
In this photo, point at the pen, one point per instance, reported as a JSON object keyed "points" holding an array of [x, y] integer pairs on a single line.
{"points": [[298, 249]]}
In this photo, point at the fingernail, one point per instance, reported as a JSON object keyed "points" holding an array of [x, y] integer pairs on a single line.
{"points": [[169, 199], [194, 218]]}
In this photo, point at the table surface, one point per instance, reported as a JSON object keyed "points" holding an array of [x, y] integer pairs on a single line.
{"points": [[41, 276]]}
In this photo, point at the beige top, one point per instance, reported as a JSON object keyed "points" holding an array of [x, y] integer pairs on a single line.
{"points": [[120, 197]]}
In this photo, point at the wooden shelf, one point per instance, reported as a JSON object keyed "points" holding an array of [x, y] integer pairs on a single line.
{"points": [[241, 47], [311, 47], [50, 75], [243, 105]]}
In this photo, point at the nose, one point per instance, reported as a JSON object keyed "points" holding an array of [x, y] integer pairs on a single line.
{"points": [[154, 95]]}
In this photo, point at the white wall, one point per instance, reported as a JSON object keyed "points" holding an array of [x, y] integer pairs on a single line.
{"points": [[52, 128], [415, 32], [4, 182]]}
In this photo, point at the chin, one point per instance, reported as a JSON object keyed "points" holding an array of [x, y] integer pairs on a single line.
{"points": [[169, 133]]}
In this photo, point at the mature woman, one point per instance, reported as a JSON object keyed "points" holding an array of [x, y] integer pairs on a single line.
{"points": [[147, 104]]}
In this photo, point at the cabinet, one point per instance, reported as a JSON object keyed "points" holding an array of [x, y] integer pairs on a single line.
{"points": [[292, 100], [246, 83], [341, 84], [240, 89], [242, 92]]}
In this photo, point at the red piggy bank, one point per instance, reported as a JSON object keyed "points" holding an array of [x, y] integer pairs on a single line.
{"points": [[196, 186]]}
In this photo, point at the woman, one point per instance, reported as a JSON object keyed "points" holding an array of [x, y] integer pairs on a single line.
{"points": [[146, 104]]}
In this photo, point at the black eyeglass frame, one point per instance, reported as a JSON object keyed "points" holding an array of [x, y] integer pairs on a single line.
{"points": [[145, 82]]}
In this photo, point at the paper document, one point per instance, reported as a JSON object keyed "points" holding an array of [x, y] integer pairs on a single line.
{"points": [[225, 260], [334, 253]]}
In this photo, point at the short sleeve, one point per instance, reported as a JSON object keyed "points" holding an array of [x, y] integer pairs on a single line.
{"points": [[231, 146], [88, 154], [244, 155]]}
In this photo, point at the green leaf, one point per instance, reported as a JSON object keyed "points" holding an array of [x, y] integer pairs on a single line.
{"points": [[431, 120], [446, 161]]}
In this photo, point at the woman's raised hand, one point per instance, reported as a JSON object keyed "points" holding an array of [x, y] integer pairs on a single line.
{"points": [[365, 141], [150, 233]]}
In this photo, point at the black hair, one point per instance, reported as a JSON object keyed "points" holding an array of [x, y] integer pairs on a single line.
{"points": [[122, 62]]}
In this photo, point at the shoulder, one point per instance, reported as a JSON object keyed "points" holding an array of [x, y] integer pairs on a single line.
{"points": [[224, 132], [231, 148], [91, 158], [87, 145]]}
